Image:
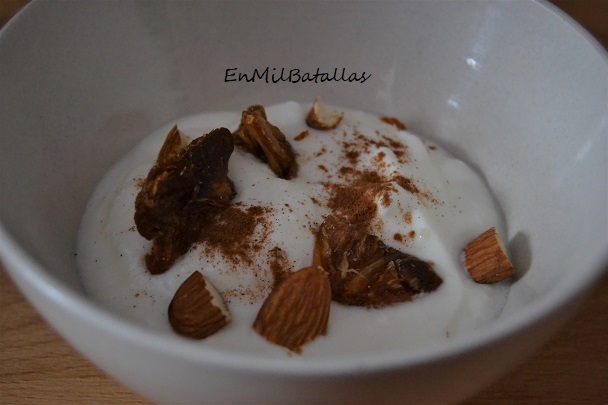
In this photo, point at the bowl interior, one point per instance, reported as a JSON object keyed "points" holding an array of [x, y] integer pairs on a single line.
{"points": [[508, 87]]}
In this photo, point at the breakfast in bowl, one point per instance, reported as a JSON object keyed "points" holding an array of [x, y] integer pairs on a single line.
{"points": [[377, 223]]}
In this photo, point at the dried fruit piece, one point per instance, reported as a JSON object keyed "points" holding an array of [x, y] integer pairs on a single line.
{"points": [[297, 310], [486, 260], [319, 117], [363, 271], [184, 187], [262, 139], [394, 122], [197, 310]]}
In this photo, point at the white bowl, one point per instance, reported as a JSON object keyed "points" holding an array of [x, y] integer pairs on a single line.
{"points": [[513, 88]]}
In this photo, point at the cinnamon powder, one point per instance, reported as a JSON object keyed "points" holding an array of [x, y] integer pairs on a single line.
{"points": [[232, 233]]}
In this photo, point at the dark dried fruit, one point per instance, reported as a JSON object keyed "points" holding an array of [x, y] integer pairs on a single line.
{"points": [[197, 310], [363, 271], [186, 186], [262, 139]]}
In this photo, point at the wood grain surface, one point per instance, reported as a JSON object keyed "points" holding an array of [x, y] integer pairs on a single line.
{"points": [[38, 367]]}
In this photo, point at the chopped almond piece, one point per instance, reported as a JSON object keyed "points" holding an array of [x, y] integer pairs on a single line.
{"points": [[319, 117], [259, 137], [197, 309], [486, 260]]}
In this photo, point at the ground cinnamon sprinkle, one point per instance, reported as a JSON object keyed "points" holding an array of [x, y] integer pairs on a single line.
{"points": [[354, 203], [406, 184], [301, 136], [358, 202], [279, 265], [395, 122], [232, 233], [408, 218]]}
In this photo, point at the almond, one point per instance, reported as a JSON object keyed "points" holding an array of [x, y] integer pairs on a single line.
{"points": [[197, 309], [259, 137], [486, 260], [174, 143], [319, 117], [297, 310]]}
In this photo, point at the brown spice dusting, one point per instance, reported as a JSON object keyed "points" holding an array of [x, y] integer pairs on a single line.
{"points": [[386, 198], [357, 202], [231, 233], [354, 203], [301, 136], [140, 182], [323, 168], [315, 201], [395, 145], [408, 218], [345, 170], [432, 147], [353, 156], [369, 176], [379, 161], [412, 234], [398, 237], [253, 295], [279, 265], [406, 184], [395, 122]]}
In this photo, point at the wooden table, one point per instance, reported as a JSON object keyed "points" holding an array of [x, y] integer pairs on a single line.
{"points": [[38, 367]]}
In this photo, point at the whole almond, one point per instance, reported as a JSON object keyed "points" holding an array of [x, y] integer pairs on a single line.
{"points": [[297, 310], [197, 310]]}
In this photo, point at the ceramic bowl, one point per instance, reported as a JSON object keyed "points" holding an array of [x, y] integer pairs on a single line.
{"points": [[515, 89]]}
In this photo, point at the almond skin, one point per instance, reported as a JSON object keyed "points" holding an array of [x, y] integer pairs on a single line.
{"points": [[297, 310], [486, 260], [174, 143], [197, 310]]}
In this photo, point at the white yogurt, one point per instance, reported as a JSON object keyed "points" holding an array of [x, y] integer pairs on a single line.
{"points": [[452, 206]]}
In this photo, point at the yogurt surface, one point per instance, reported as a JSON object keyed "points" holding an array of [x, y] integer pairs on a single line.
{"points": [[432, 207]]}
